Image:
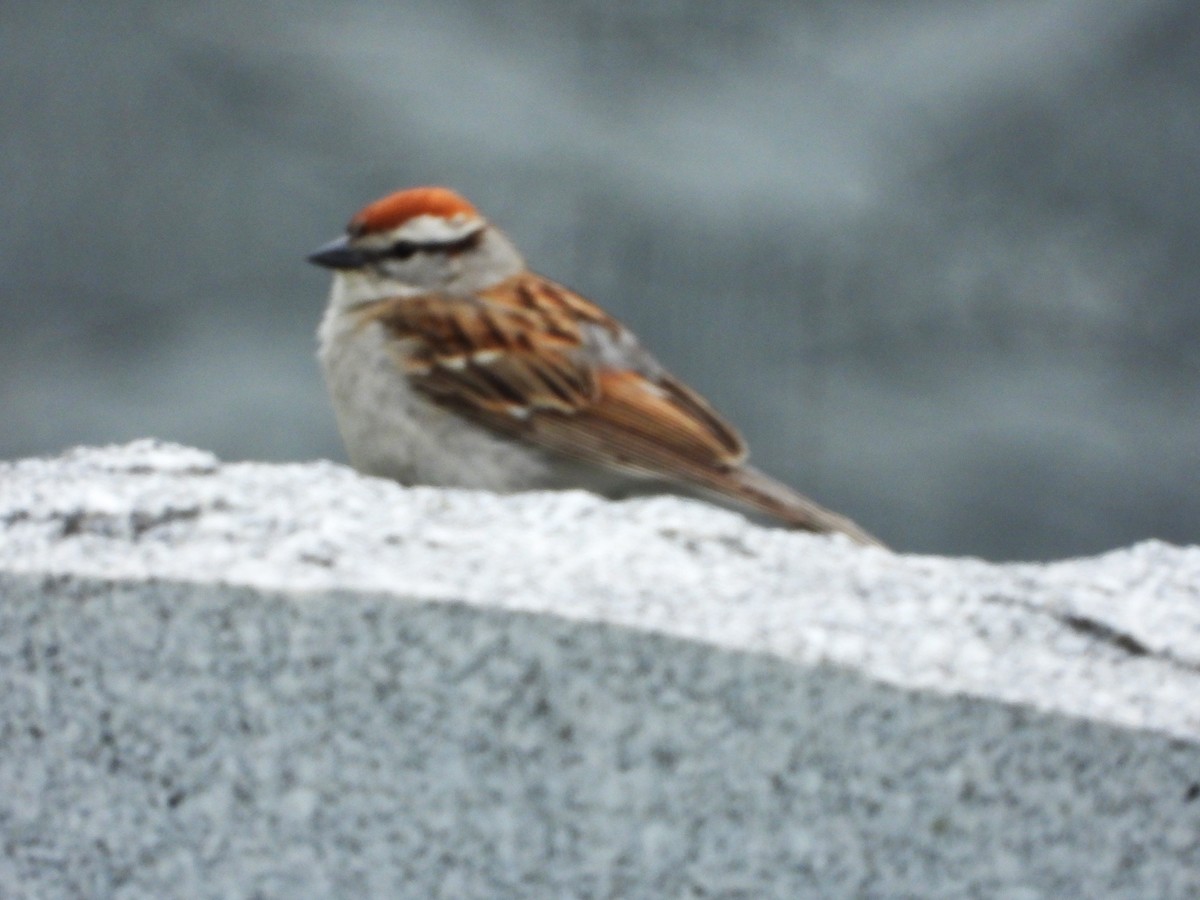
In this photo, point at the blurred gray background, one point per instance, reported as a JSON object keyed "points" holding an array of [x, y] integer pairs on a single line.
{"points": [[938, 260]]}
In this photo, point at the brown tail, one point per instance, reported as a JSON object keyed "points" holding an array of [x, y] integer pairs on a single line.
{"points": [[760, 492]]}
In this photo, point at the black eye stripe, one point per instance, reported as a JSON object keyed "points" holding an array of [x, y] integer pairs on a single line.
{"points": [[407, 249]]}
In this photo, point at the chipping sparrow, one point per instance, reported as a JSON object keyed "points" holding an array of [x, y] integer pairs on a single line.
{"points": [[450, 363]]}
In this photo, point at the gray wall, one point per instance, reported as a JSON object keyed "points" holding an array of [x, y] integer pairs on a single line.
{"points": [[937, 260]]}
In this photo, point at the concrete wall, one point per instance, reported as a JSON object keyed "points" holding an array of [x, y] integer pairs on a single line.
{"points": [[290, 681]]}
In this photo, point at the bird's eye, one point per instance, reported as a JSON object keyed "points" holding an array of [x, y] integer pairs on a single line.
{"points": [[402, 250]]}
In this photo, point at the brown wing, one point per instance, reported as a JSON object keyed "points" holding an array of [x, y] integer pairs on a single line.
{"points": [[530, 358]]}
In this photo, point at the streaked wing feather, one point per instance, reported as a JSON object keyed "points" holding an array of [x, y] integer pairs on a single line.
{"points": [[644, 424], [532, 360], [515, 358]]}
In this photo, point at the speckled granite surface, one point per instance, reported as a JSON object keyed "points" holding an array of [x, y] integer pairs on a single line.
{"points": [[289, 681]]}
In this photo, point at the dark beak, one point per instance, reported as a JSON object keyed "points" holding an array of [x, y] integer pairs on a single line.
{"points": [[338, 254]]}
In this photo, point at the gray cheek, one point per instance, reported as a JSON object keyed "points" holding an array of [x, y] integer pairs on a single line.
{"points": [[421, 270], [389, 270]]}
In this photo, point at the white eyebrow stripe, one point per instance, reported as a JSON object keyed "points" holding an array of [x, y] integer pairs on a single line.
{"points": [[435, 229]]}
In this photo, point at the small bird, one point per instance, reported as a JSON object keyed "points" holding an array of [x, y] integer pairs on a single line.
{"points": [[450, 363]]}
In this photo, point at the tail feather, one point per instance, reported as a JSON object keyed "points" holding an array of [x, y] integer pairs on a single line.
{"points": [[760, 492]]}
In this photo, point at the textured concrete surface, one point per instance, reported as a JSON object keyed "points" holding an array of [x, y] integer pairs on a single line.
{"points": [[289, 681]]}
